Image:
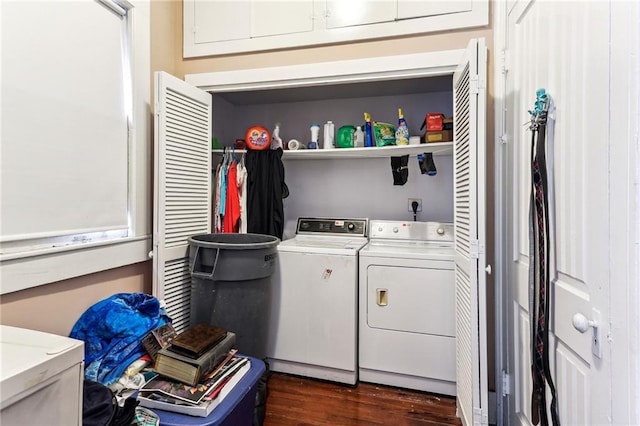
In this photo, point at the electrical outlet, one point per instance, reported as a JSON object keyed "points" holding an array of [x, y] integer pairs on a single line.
{"points": [[410, 207]]}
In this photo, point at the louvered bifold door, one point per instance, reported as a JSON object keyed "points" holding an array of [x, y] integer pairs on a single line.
{"points": [[182, 188], [469, 82]]}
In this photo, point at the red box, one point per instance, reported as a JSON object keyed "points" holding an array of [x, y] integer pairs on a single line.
{"points": [[434, 122]]}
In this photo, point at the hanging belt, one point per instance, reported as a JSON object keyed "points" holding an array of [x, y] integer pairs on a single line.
{"points": [[539, 273]]}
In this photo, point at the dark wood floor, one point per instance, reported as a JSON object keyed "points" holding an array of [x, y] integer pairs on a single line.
{"points": [[298, 401]]}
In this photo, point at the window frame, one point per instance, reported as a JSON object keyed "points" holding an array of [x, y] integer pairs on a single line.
{"points": [[43, 262]]}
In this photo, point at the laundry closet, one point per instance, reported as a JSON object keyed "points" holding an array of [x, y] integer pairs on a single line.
{"points": [[347, 182]]}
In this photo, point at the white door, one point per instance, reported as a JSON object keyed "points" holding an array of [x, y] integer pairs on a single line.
{"points": [[365, 12], [182, 188], [469, 107], [562, 47]]}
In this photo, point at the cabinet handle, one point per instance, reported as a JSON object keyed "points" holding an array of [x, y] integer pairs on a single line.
{"points": [[382, 299]]}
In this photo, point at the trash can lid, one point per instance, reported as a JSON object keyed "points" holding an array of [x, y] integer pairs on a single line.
{"points": [[234, 241]]}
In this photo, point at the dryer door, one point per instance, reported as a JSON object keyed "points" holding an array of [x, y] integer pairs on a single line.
{"points": [[417, 300]]}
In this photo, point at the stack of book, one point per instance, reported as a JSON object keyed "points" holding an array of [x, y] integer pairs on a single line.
{"points": [[199, 400], [195, 371], [194, 353]]}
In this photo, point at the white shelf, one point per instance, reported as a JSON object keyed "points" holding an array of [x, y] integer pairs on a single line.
{"points": [[439, 148]]}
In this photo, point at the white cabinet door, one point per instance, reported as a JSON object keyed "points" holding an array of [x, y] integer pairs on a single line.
{"points": [[210, 25], [270, 18], [220, 27], [469, 115], [342, 13], [182, 188], [416, 9], [215, 21]]}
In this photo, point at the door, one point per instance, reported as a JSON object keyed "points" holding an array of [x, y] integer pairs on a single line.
{"points": [[348, 14], [564, 48], [182, 188], [469, 106]]}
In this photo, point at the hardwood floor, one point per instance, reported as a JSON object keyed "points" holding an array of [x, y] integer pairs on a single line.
{"points": [[299, 401]]}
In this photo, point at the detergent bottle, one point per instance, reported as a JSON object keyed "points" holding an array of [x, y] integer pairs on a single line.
{"points": [[358, 138], [368, 131], [402, 131]]}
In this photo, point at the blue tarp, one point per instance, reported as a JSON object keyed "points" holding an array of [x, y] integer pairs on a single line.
{"points": [[112, 330]]}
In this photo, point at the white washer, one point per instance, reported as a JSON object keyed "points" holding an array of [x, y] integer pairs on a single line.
{"points": [[407, 306], [314, 321]]}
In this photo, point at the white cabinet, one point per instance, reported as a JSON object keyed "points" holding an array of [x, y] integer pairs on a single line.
{"points": [[221, 27], [211, 22], [41, 378], [342, 13], [417, 9]]}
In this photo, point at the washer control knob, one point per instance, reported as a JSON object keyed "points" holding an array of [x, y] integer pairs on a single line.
{"points": [[440, 231], [351, 227], [380, 229], [395, 229]]}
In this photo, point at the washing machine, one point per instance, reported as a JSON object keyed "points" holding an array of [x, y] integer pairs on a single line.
{"points": [[314, 300], [407, 306]]}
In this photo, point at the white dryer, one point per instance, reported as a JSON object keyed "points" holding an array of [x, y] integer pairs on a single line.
{"points": [[407, 306], [314, 300]]}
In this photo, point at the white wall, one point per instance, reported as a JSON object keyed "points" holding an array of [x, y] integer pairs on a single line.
{"points": [[364, 188]]}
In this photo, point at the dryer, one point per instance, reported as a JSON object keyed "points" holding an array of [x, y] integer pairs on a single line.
{"points": [[314, 321], [407, 306]]}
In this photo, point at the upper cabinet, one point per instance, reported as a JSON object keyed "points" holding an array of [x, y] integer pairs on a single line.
{"points": [[219, 27]]}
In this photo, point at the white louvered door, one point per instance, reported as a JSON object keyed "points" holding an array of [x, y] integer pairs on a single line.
{"points": [[182, 188], [469, 84]]}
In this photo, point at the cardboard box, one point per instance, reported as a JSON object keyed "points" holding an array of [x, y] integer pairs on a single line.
{"points": [[434, 122], [441, 136]]}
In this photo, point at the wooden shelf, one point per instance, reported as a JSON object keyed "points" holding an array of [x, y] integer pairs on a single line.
{"points": [[440, 148]]}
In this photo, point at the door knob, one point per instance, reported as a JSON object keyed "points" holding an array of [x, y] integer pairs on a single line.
{"points": [[582, 323]]}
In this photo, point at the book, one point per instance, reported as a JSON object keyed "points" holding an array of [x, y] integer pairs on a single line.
{"points": [[188, 370], [158, 338], [167, 400], [197, 340]]}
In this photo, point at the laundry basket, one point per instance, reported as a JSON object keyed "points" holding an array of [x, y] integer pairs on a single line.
{"points": [[231, 285]]}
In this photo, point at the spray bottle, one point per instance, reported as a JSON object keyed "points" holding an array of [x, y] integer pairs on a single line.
{"points": [[368, 131]]}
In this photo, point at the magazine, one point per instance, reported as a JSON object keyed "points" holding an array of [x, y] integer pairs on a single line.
{"points": [[193, 394], [162, 401]]}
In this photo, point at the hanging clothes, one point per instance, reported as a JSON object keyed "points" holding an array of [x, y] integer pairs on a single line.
{"points": [[230, 179], [217, 223], [232, 210], [242, 194], [265, 191]]}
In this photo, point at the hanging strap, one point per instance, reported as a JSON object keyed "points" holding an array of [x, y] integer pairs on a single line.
{"points": [[539, 272]]}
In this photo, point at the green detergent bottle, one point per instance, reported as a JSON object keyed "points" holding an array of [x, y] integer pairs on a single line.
{"points": [[345, 136]]}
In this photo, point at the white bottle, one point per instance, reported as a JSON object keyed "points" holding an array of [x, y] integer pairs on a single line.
{"points": [[358, 138], [329, 132], [276, 141], [313, 143]]}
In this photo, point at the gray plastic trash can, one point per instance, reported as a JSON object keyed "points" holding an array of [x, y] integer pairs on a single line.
{"points": [[231, 285]]}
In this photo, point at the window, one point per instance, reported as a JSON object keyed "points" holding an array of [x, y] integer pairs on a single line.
{"points": [[74, 147]]}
